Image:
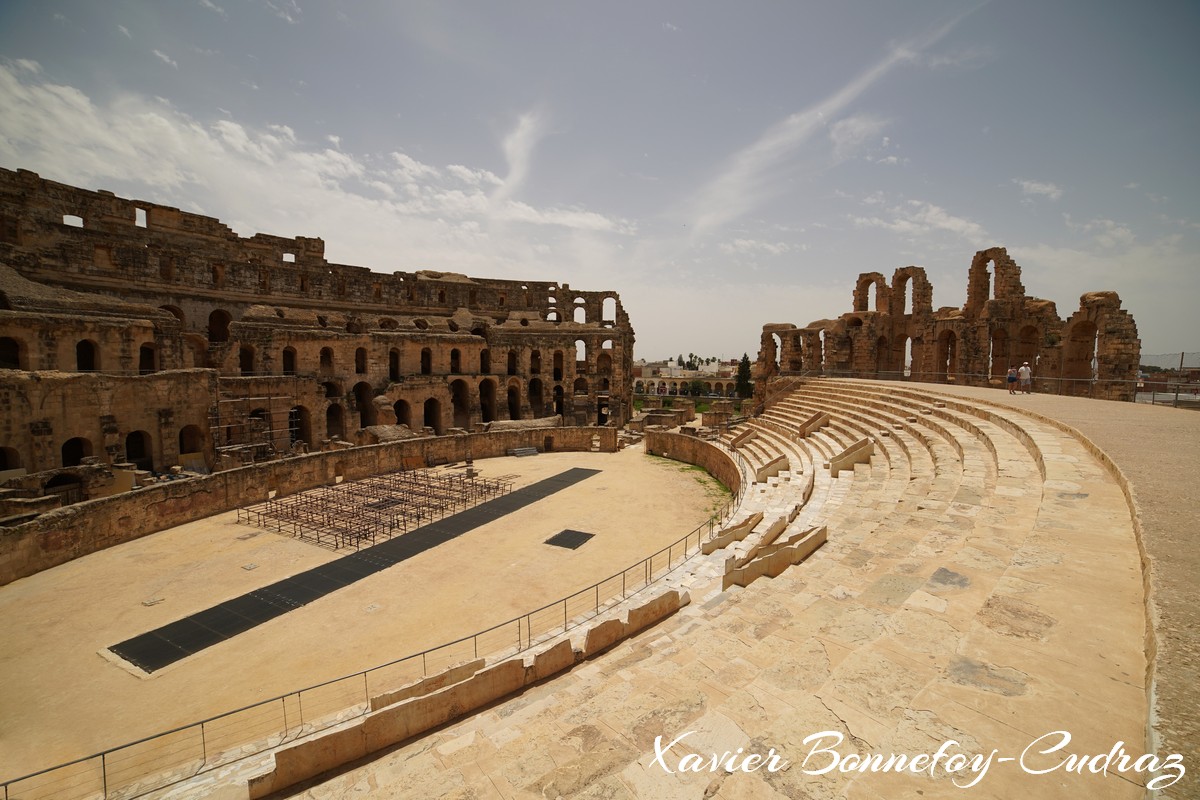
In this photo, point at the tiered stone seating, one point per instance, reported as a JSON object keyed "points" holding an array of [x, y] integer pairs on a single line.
{"points": [[980, 583]]}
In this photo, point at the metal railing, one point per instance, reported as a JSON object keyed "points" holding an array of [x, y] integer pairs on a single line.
{"points": [[157, 761]]}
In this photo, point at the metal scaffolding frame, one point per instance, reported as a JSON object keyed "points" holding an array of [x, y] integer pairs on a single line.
{"points": [[362, 513], [236, 432]]}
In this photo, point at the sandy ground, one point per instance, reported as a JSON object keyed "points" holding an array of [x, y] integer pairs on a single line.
{"points": [[63, 695]]}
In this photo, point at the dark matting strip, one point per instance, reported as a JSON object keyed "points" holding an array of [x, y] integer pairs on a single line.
{"points": [[156, 649]]}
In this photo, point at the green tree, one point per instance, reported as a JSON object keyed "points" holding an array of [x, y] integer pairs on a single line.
{"points": [[679, 360], [743, 382], [696, 387]]}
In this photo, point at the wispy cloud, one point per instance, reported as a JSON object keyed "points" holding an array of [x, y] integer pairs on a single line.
{"points": [[166, 59], [1038, 189], [851, 134], [125, 31], [518, 150], [754, 246], [916, 218], [288, 10], [1105, 232], [211, 6], [751, 175]]}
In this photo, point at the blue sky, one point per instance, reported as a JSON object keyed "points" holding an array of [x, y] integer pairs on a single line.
{"points": [[721, 165]]}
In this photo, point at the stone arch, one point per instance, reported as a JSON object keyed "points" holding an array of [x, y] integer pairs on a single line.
{"points": [[335, 424], [580, 313], [604, 363], [191, 440], [87, 356], [882, 356], [326, 361], [364, 398], [403, 413], [608, 309], [912, 293], [218, 326], [870, 293], [512, 362], [514, 401], [360, 361], [455, 361], [393, 365], [485, 361], [300, 426], [246, 359], [433, 415], [460, 404], [289, 360], [1080, 351], [535, 362], [1027, 345], [537, 400], [176, 312], [1000, 359], [426, 361], [10, 458], [559, 400], [147, 358], [12, 353], [487, 400], [139, 450], [581, 386], [74, 450], [946, 364]]}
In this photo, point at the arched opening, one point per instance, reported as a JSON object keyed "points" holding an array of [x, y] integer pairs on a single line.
{"points": [[75, 450], [487, 401], [1026, 347], [902, 355], [433, 415], [639, 388], [1079, 357], [455, 361], [559, 403], [87, 356], [9, 459], [176, 312], [999, 360], [360, 361], [537, 402], [246, 359], [604, 363], [191, 440], [581, 386], [10, 353], [426, 361], [289, 361], [552, 315], [332, 389], [363, 398], [608, 310], [393, 365], [873, 296], [326, 359], [580, 356], [558, 365], [147, 359], [403, 413], [138, 450], [514, 402], [485, 362], [300, 426], [535, 362], [218, 326], [777, 349], [946, 364], [460, 403], [334, 425], [512, 362], [580, 315], [602, 412], [881, 356]]}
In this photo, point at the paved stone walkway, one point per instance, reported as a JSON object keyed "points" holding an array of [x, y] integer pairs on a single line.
{"points": [[982, 584]]}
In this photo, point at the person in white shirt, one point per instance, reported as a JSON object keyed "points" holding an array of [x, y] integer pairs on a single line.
{"points": [[1025, 376]]}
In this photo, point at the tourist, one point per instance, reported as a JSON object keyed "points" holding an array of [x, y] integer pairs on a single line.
{"points": [[1011, 380], [1025, 374]]}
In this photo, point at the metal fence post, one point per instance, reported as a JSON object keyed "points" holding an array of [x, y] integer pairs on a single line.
{"points": [[203, 745]]}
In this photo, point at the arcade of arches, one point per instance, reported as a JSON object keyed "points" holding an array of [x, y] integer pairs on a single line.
{"points": [[893, 331]]}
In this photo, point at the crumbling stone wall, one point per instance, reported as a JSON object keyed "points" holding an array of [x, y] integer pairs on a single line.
{"points": [[107, 287], [893, 331]]}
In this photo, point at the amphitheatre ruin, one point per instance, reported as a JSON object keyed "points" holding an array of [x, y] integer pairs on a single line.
{"points": [[274, 527]]}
